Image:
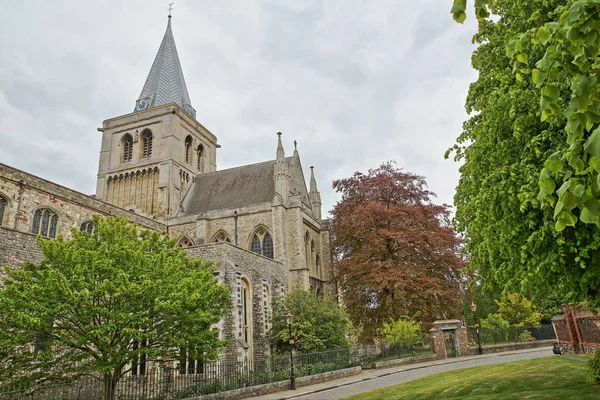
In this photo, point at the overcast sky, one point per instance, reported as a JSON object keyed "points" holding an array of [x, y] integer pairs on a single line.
{"points": [[356, 83]]}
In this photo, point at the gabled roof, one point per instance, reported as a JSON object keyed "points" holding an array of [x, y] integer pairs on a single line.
{"points": [[231, 188], [165, 83]]}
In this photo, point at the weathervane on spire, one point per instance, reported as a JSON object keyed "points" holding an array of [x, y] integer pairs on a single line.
{"points": [[170, 8]]}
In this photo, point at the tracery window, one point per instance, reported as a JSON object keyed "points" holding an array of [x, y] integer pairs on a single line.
{"points": [[127, 143], [200, 158], [188, 149], [87, 227], [221, 236], [3, 207], [262, 243], [184, 241], [44, 223], [146, 144]]}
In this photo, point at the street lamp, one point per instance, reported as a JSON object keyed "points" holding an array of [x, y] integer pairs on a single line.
{"points": [[289, 317], [474, 309]]}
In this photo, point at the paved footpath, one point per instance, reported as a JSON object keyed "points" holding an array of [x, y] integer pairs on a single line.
{"points": [[375, 379]]}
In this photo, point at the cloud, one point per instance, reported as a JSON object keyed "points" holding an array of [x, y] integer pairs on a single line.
{"points": [[356, 83]]}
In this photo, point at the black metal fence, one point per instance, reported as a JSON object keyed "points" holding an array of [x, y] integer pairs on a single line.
{"points": [[170, 384], [513, 334]]}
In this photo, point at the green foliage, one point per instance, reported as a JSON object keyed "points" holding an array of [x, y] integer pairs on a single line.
{"points": [[496, 328], [526, 200], [494, 322], [93, 297], [400, 330], [593, 370], [518, 310], [526, 336], [318, 324]]}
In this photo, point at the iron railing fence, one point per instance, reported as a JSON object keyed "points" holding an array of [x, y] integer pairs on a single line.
{"points": [[513, 334], [219, 376]]}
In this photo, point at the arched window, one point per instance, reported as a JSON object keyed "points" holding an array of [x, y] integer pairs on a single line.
{"points": [[255, 244], [262, 243], [246, 298], [184, 241], [3, 210], [267, 246], [44, 223], [146, 144], [127, 143], [87, 227], [188, 149], [200, 158], [318, 266], [307, 249], [221, 236]]}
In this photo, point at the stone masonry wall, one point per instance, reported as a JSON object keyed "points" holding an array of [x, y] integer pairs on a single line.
{"points": [[267, 278], [17, 248], [26, 193]]}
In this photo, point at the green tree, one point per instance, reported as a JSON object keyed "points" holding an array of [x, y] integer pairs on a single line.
{"points": [[97, 303], [402, 329], [510, 230], [494, 326], [318, 323], [518, 310]]}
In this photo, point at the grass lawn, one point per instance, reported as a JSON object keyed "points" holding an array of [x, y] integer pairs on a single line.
{"points": [[557, 378]]}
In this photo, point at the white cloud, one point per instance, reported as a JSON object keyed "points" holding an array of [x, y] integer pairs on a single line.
{"points": [[356, 83]]}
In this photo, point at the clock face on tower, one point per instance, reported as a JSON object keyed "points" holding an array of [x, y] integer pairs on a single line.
{"points": [[141, 104]]}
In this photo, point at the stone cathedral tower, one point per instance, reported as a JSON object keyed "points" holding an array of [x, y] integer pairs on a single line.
{"points": [[148, 158]]}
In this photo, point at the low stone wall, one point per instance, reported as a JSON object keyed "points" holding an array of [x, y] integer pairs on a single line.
{"points": [[405, 361], [259, 390], [499, 348]]}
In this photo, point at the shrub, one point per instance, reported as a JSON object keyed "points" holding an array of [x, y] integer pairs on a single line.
{"points": [[525, 336], [593, 374]]}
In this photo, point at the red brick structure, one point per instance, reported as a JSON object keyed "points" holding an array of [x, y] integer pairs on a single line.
{"points": [[577, 330]]}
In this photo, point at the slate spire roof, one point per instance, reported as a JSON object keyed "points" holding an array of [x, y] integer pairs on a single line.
{"points": [[165, 82]]}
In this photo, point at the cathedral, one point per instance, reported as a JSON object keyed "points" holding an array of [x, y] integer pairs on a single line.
{"points": [[259, 223]]}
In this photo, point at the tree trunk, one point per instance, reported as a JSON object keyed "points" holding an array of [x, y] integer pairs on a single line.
{"points": [[110, 384]]}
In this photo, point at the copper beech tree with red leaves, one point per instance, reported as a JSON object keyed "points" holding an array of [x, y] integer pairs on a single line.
{"points": [[395, 252]]}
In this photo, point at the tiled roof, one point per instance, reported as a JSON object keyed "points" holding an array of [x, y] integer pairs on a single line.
{"points": [[165, 82]]}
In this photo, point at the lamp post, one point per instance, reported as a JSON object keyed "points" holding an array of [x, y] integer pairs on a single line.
{"points": [[474, 309], [289, 318]]}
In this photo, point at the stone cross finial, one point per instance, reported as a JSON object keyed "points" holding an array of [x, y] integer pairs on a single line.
{"points": [[170, 8], [295, 145]]}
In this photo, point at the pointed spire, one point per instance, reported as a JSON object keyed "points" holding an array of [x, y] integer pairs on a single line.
{"points": [[165, 83], [280, 152], [313, 181]]}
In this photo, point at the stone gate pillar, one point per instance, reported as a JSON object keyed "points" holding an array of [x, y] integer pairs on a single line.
{"points": [[438, 342]]}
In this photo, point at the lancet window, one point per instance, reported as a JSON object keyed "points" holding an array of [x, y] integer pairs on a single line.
{"points": [[87, 227], [146, 144], [188, 149], [3, 210], [262, 243], [127, 143], [200, 158], [44, 223]]}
